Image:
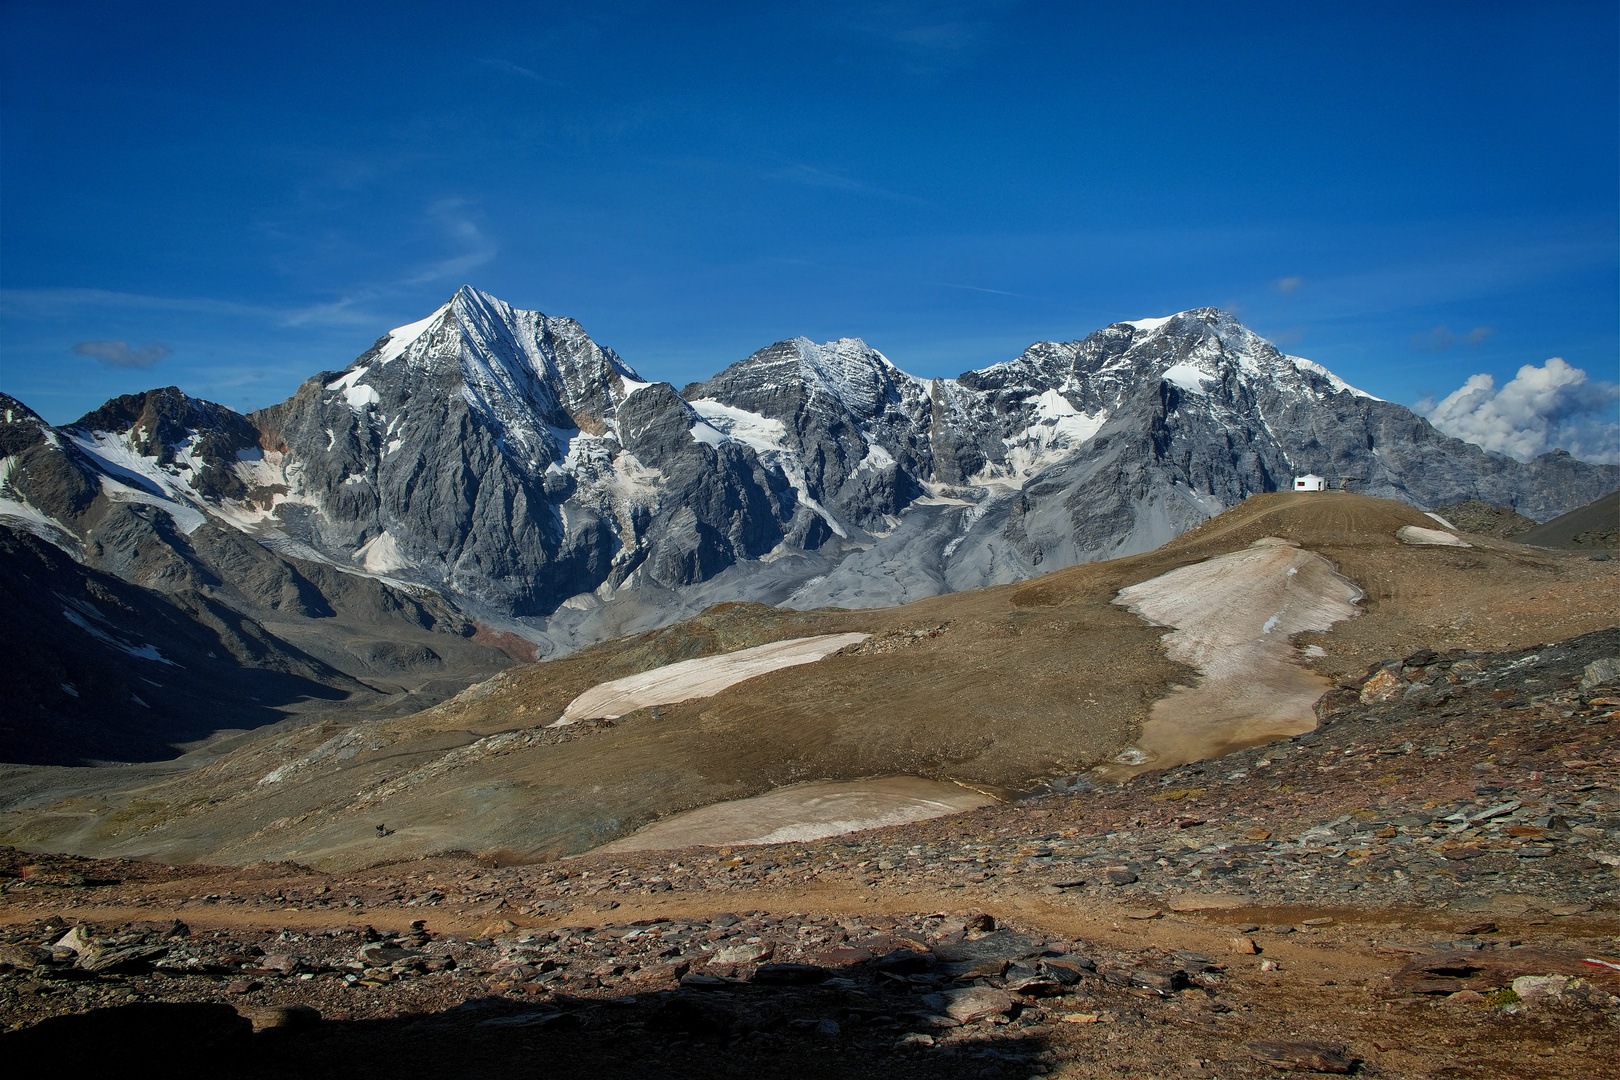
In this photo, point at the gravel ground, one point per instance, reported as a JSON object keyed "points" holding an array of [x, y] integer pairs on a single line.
{"points": [[1414, 889]]}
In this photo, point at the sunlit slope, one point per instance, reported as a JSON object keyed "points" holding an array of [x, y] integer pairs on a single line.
{"points": [[1024, 682]]}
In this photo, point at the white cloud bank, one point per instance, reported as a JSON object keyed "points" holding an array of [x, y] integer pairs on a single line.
{"points": [[1551, 407]]}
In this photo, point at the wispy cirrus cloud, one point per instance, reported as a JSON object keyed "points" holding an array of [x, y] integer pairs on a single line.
{"points": [[119, 354], [507, 67], [810, 176], [927, 35], [467, 246], [460, 230], [59, 303], [978, 288]]}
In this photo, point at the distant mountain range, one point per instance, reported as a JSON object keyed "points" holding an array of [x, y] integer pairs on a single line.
{"points": [[489, 482]]}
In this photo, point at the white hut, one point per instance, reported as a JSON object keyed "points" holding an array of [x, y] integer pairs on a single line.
{"points": [[1309, 482]]}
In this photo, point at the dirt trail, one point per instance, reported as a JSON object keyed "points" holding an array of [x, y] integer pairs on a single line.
{"points": [[1340, 949]]}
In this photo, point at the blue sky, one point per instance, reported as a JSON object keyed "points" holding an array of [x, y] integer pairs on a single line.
{"points": [[242, 195]]}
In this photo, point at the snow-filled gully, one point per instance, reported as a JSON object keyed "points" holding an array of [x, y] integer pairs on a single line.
{"points": [[1233, 617]]}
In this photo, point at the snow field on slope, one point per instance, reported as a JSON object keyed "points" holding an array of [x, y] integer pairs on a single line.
{"points": [[116, 457], [804, 812], [381, 555], [751, 429], [1233, 616], [726, 423], [703, 677], [24, 514], [1414, 534], [401, 337]]}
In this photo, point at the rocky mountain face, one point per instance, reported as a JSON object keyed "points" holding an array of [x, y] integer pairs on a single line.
{"points": [[1084, 450], [502, 465], [504, 457], [143, 621]]}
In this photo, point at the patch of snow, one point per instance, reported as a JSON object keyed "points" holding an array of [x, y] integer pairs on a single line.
{"points": [[1338, 384], [1440, 519], [115, 456], [826, 515], [703, 433], [187, 518], [1149, 324], [140, 652], [765, 436], [400, 338], [876, 459], [1188, 377], [381, 555], [1412, 534], [750, 428], [29, 517], [631, 386], [1056, 430], [703, 677], [360, 397], [804, 812], [22, 514], [969, 518], [781, 551], [1233, 617], [349, 378]]}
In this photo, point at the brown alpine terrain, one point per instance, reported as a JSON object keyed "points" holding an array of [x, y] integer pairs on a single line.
{"points": [[1319, 786]]}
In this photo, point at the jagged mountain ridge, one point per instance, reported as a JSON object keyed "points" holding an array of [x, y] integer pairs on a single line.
{"points": [[150, 624], [503, 458]]}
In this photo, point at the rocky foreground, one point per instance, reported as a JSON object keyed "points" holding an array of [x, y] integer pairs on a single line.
{"points": [[1424, 886]]}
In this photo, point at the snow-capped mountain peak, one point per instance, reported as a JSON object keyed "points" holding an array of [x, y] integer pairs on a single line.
{"points": [[502, 456]]}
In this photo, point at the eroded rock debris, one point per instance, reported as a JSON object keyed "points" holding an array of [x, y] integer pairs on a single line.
{"points": [[1423, 886]]}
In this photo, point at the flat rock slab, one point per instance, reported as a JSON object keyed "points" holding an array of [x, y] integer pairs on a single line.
{"points": [[976, 1003], [703, 677], [280, 1017], [1304, 1055], [1208, 902], [1003, 945], [803, 812]]}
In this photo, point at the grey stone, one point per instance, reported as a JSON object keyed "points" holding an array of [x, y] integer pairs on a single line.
{"points": [[1601, 672], [132, 958], [1002, 945], [976, 1002]]}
